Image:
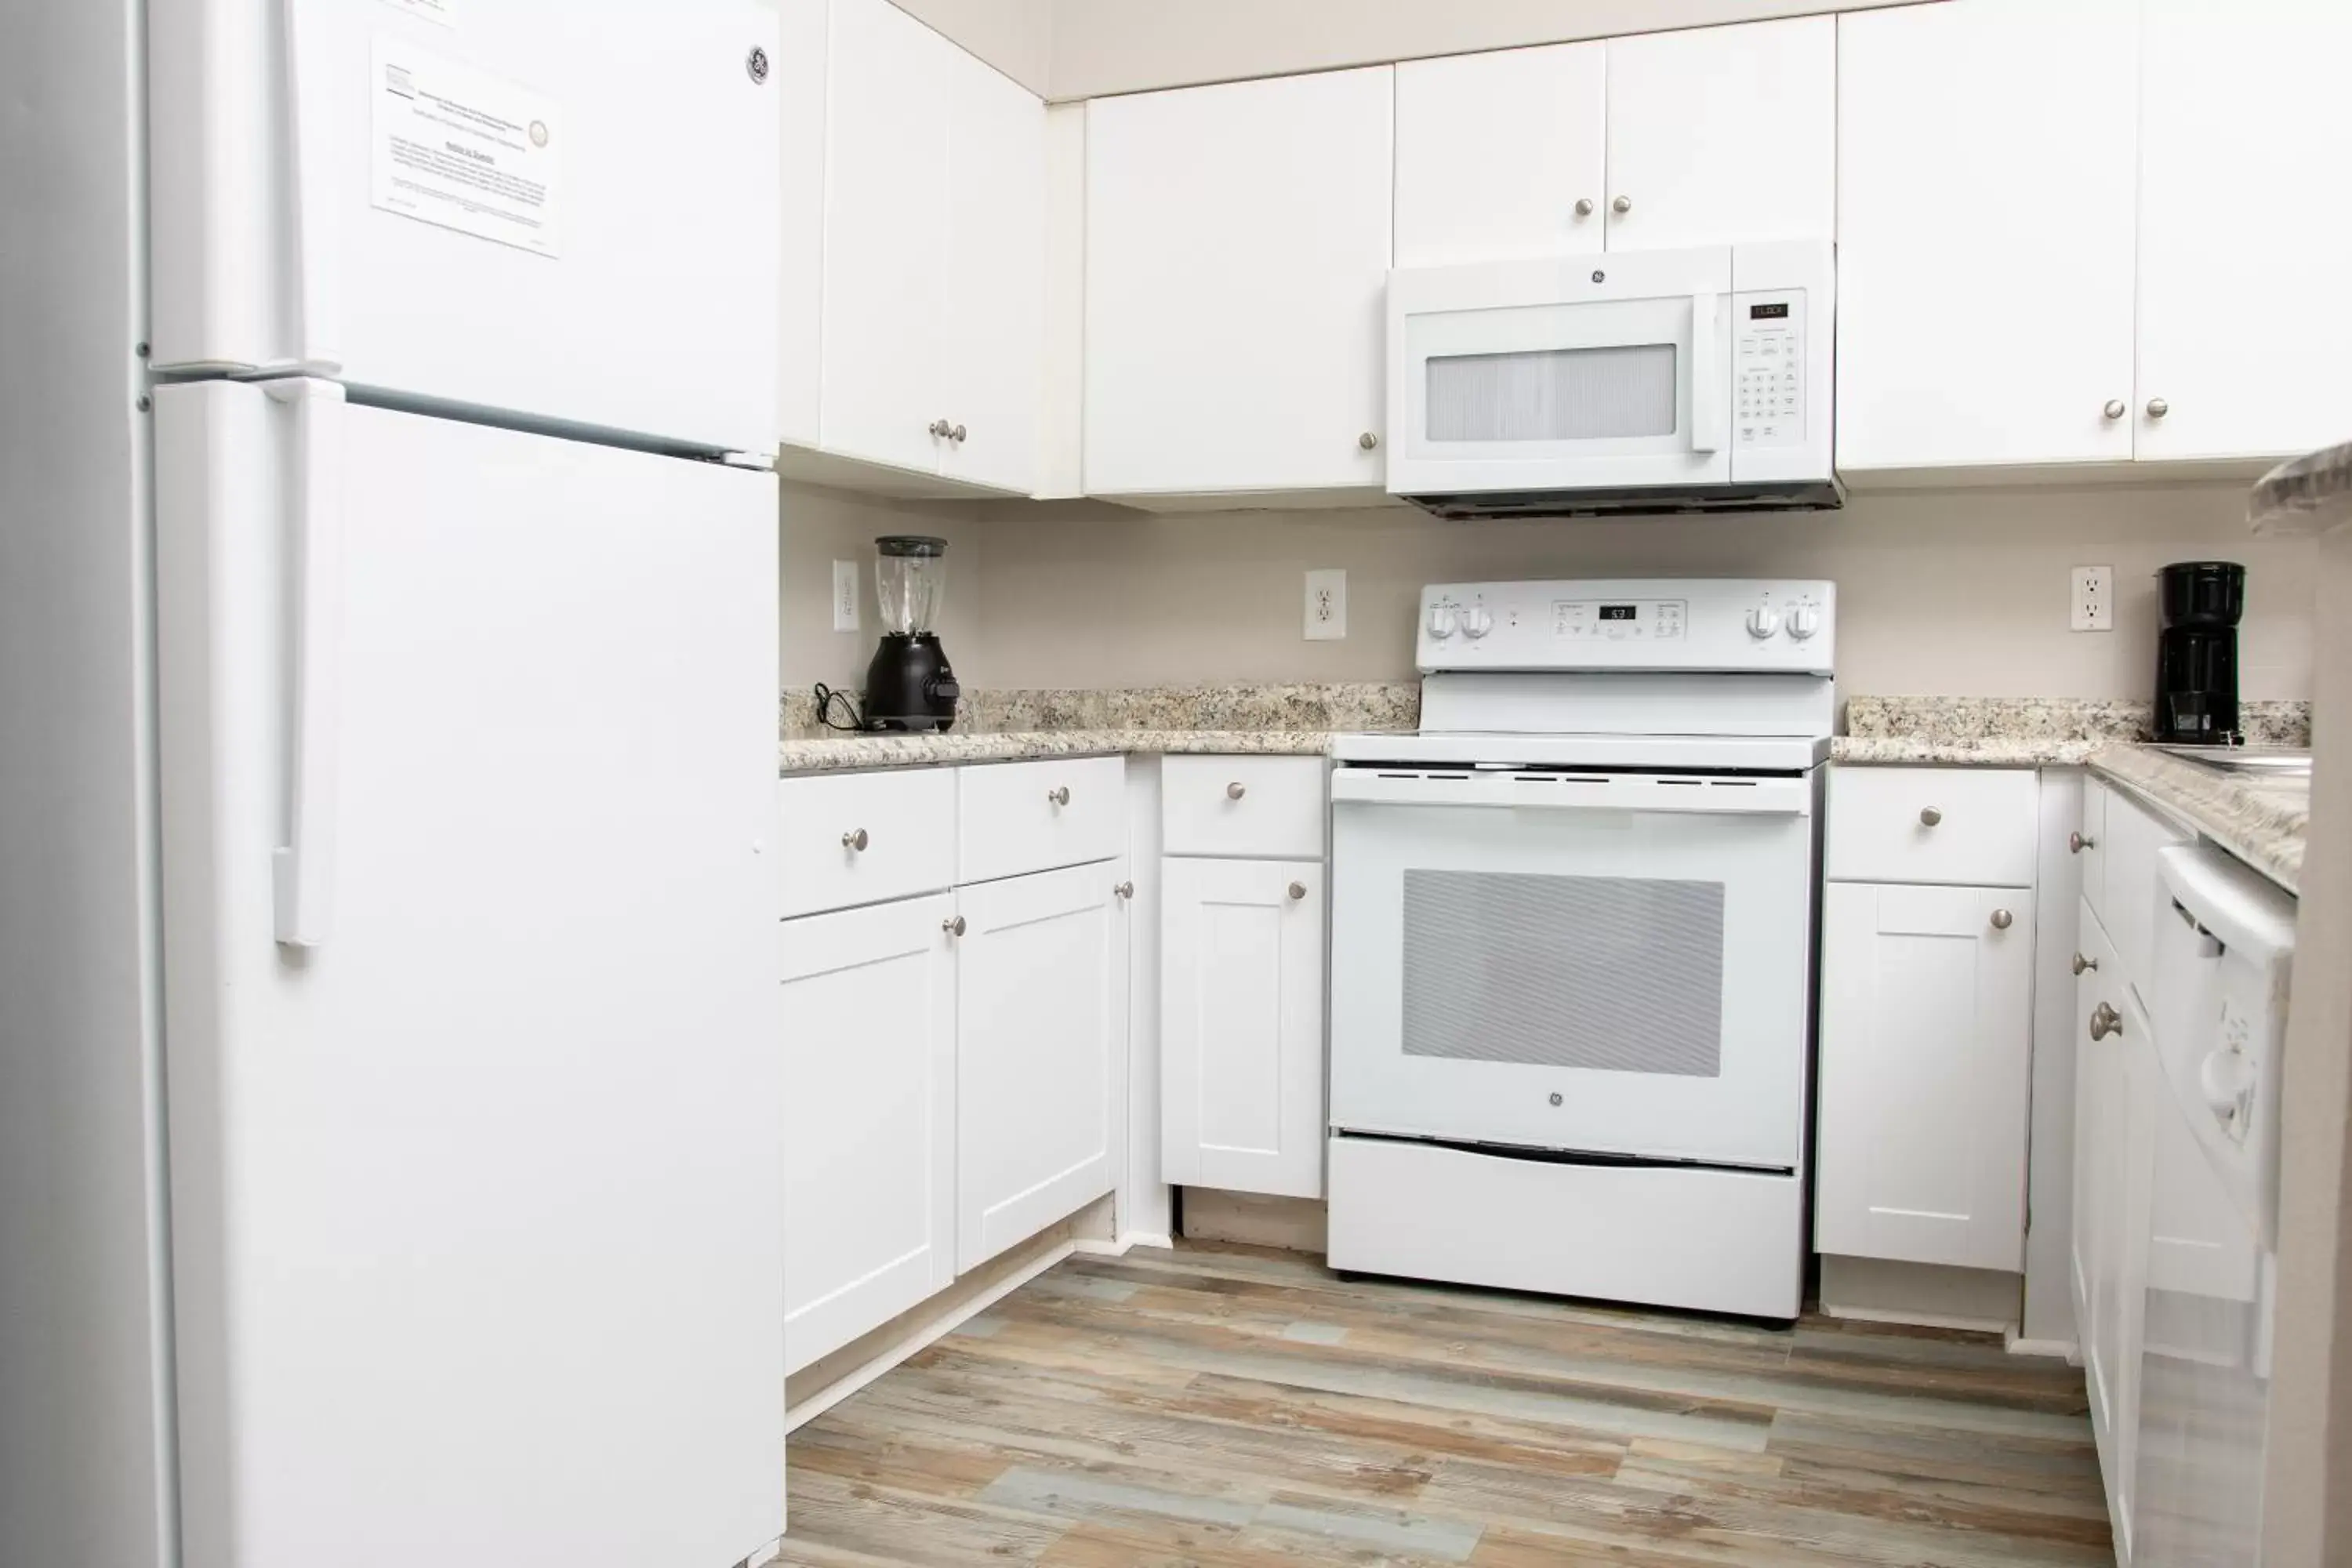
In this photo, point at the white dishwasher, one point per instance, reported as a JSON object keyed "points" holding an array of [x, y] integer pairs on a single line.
{"points": [[2225, 940]]}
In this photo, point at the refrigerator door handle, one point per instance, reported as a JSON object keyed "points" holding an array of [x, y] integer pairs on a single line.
{"points": [[307, 214], [303, 868]]}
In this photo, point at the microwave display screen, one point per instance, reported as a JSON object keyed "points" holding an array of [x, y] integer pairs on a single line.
{"points": [[1616, 612], [1777, 312]]}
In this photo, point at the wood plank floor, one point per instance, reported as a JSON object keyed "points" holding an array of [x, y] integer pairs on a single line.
{"points": [[1229, 1406]]}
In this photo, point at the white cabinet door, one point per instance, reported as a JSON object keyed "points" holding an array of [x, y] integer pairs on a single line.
{"points": [[1926, 1055], [1496, 151], [1723, 135], [869, 1118], [992, 288], [2098, 1105], [2135, 894], [1041, 1052], [885, 234], [2243, 332], [1984, 252], [1237, 254], [2145, 1098], [1242, 1026]]}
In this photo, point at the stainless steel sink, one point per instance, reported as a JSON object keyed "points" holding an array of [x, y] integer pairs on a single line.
{"points": [[2287, 762]]}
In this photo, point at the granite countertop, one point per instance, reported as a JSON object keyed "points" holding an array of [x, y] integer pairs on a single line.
{"points": [[2257, 818], [1018, 725]]}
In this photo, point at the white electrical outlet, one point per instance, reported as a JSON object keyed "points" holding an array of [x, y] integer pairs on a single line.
{"points": [[2092, 602], [845, 596], [1326, 605]]}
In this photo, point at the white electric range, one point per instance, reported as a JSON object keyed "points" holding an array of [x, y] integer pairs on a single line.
{"points": [[1573, 936]]}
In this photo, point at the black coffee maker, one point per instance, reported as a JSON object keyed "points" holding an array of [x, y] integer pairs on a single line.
{"points": [[2197, 653], [910, 685]]}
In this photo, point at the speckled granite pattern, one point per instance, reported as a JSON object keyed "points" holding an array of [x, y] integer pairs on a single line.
{"points": [[832, 752], [2024, 732], [2311, 494], [2259, 819], [1017, 725]]}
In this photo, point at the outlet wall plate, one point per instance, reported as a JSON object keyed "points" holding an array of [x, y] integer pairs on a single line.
{"points": [[1326, 605], [845, 596], [2091, 598]]}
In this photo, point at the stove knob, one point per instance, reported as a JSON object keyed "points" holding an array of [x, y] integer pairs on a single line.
{"points": [[1762, 622], [1804, 622], [1476, 623], [1443, 622]]}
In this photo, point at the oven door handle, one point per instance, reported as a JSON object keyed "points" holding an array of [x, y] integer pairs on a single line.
{"points": [[1577, 792]]}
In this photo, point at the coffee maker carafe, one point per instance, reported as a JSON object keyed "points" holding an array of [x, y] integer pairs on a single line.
{"points": [[2197, 653], [910, 685]]}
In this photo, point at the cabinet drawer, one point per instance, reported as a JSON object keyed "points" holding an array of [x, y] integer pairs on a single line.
{"points": [[858, 838], [1955, 826], [1018, 817], [1269, 807]]}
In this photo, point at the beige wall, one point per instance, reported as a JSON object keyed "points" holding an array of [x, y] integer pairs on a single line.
{"points": [[1127, 45], [1067, 50], [1951, 592], [822, 526]]}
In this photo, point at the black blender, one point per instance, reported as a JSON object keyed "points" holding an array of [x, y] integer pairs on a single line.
{"points": [[910, 685], [2197, 653]]}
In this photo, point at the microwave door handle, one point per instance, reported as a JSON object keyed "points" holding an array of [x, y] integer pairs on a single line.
{"points": [[1706, 413]]}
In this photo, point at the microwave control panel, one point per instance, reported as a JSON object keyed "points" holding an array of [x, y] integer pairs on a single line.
{"points": [[1767, 348]]}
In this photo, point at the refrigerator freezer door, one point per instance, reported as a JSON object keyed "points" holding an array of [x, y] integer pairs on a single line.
{"points": [[478, 1203], [564, 212]]}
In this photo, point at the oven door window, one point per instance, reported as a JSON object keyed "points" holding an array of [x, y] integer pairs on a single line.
{"points": [[1605, 974]]}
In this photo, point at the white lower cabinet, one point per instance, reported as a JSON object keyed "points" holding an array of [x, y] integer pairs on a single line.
{"points": [[869, 1124], [1926, 1062], [1242, 1025], [1041, 1030]]}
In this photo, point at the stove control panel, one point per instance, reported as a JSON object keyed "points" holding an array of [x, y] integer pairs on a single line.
{"points": [[1656, 623]]}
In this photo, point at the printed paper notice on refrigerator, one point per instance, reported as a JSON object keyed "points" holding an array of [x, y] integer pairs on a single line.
{"points": [[465, 150]]}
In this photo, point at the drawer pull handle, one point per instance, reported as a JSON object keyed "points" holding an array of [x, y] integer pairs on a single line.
{"points": [[1124, 889], [2083, 963], [2001, 919], [854, 840], [1235, 791], [1059, 796], [952, 927], [2076, 843], [1298, 889], [1929, 817], [2106, 1021]]}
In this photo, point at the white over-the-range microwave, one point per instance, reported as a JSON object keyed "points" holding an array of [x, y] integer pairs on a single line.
{"points": [[1630, 381]]}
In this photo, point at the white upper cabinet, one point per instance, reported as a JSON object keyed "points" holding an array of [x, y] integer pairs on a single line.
{"points": [[885, 234], [1720, 135], [1985, 234], [993, 294], [934, 255], [1926, 1049], [1237, 253], [1502, 155], [2244, 246]]}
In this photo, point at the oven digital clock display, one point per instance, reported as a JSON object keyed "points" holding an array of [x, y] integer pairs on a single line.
{"points": [[1617, 611]]}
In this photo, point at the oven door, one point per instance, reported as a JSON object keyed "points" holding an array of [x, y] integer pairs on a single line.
{"points": [[1607, 963], [1588, 373]]}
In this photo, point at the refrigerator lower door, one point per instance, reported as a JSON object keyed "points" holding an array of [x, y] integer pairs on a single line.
{"points": [[477, 1197], [566, 212]]}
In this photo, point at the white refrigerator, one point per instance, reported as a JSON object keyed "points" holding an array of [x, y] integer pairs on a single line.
{"points": [[456, 715]]}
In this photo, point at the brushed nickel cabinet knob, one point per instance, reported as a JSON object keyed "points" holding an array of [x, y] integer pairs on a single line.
{"points": [[1235, 790], [2116, 408], [1059, 795], [1298, 889], [1584, 206], [853, 839], [937, 427], [1368, 440], [957, 434], [2083, 963], [1124, 889], [2001, 919], [2076, 843], [1622, 206], [2158, 409], [1929, 817], [2106, 1021], [952, 927]]}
